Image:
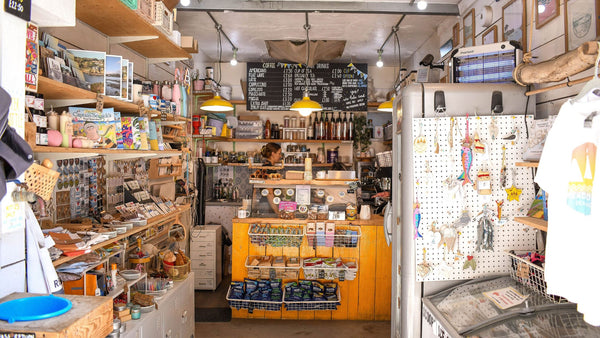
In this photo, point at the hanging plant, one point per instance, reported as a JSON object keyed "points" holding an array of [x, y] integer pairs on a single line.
{"points": [[362, 136]]}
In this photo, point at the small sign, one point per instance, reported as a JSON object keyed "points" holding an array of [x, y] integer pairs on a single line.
{"points": [[342, 275], [17, 335], [506, 297], [272, 274], [18, 8], [321, 274]]}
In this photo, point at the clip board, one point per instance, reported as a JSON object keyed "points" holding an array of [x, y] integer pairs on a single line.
{"points": [[431, 173]]}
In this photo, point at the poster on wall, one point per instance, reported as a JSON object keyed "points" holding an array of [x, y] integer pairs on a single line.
{"points": [[31, 58], [580, 22], [513, 22]]}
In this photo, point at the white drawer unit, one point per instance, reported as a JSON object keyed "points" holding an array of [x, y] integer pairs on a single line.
{"points": [[205, 253]]}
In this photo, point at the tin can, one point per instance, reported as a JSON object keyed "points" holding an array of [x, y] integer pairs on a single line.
{"points": [[350, 212]]}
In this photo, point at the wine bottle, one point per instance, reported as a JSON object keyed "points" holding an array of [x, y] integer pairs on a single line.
{"points": [[345, 128], [351, 127], [338, 127], [309, 129], [326, 127], [268, 129], [321, 128]]}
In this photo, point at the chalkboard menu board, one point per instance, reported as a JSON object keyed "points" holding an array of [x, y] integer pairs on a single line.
{"points": [[336, 86]]}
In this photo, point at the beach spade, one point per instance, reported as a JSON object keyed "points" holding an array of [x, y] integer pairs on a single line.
{"points": [[423, 268]]}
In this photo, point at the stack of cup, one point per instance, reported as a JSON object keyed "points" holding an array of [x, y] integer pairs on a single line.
{"points": [[308, 169]]}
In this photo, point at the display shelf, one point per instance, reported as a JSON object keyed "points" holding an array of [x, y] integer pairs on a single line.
{"points": [[376, 220], [527, 164], [537, 223], [67, 153], [55, 90], [115, 19], [151, 222], [260, 183], [254, 140], [124, 287]]}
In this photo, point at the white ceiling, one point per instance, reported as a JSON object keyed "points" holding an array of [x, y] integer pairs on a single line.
{"points": [[364, 33]]}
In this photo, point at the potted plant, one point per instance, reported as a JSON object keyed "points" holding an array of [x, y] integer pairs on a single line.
{"points": [[197, 81], [362, 136]]}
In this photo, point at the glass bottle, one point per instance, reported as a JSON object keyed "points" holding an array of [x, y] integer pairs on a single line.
{"points": [[338, 127], [345, 128], [309, 130], [321, 128], [327, 128], [351, 127], [370, 128], [268, 129]]}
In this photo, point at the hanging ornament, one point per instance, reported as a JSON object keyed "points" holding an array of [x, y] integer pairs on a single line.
{"points": [[454, 189], [484, 183], [445, 269], [428, 177], [448, 237], [463, 221], [417, 218], [499, 204], [436, 144], [466, 156], [485, 230], [513, 193], [451, 134], [470, 263], [503, 179], [423, 268], [420, 143], [459, 254], [514, 133], [493, 128]]}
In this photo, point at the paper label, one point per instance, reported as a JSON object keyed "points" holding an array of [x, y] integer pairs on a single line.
{"points": [[506, 297]]}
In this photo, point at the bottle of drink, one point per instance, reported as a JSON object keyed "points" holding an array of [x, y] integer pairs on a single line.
{"points": [[309, 129], [338, 127], [315, 127], [370, 128], [268, 129], [321, 128], [351, 127], [274, 130], [345, 128]]}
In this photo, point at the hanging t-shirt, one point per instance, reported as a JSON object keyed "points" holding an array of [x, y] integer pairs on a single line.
{"points": [[566, 172]]}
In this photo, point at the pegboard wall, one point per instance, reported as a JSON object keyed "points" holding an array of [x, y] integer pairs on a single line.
{"points": [[448, 241]]}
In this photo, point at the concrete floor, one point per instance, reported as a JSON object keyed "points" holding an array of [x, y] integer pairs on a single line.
{"points": [[266, 328]]}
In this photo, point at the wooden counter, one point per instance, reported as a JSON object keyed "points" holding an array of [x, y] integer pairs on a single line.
{"points": [[367, 297], [89, 317]]}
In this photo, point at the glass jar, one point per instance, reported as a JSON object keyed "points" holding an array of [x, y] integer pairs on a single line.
{"points": [[286, 121], [293, 122], [302, 122]]}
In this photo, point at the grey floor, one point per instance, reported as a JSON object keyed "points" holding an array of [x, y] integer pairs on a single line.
{"points": [[266, 328]]}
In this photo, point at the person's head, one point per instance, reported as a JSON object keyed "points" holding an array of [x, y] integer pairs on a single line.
{"points": [[271, 152]]}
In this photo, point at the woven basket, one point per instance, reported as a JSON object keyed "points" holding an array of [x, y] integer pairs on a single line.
{"points": [[41, 180]]}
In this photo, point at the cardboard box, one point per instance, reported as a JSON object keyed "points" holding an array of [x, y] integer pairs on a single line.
{"points": [[294, 175], [189, 44]]}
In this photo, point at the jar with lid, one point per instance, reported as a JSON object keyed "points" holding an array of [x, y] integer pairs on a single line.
{"points": [[293, 122], [286, 121], [303, 122]]}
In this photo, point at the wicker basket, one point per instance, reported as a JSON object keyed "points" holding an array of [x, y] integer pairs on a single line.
{"points": [[177, 272], [41, 180]]}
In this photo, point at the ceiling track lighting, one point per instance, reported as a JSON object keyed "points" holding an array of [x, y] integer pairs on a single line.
{"points": [[219, 28], [306, 106], [379, 61], [234, 61]]}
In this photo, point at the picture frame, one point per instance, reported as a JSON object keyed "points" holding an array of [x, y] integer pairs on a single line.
{"points": [[490, 35], [581, 24], [469, 28], [514, 26], [546, 11], [456, 35]]}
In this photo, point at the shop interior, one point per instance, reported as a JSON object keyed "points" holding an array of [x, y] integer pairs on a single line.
{"points": [[184, 168]]}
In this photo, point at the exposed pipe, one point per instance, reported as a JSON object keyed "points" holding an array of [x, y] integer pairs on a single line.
{"points": [[219, 27], [394, 30]]}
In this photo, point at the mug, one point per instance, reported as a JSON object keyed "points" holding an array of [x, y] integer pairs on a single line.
{"points": [[365, 212], [321, 174], [243, 213]]}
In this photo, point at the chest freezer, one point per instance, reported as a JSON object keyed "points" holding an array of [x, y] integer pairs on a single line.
{"points": [[464, 311]]}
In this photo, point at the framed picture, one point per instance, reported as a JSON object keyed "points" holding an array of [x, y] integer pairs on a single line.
{"points": [[456, 35], [580, 22], [469, 28], [490, 35], [546, 10], [513, 22]]}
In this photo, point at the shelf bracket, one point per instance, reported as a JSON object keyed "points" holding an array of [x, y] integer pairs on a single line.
{"points": [[66, 102], [113, 40], [161, 60]]}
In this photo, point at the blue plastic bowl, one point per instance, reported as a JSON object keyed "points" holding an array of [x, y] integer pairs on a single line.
{"points": [[34, 308]]}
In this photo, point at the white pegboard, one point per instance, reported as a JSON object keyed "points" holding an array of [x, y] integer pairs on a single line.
{"points": [[436, 205]]}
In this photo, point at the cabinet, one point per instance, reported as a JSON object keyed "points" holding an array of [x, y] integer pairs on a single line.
{"points": [[206, 255], [173, 318]]}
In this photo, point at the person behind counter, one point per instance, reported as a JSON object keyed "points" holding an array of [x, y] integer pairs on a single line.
{"points": [[271, 152]]}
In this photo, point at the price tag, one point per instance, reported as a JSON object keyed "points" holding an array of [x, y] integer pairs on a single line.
{"points": [[18, 8], [4, 334], [342, 275], [99, 102], [272, 274], [321, 274]]}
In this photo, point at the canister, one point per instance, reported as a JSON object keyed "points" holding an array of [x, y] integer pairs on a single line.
{"points": [[135, 312], [332, 155]]}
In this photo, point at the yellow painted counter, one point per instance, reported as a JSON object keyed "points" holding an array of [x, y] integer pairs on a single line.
{"points": [[368, 297]]}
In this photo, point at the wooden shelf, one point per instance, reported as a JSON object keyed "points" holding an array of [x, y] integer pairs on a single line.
{"points": [[55, 90], [537, 223], [328, 182], [527, 164], [114, 18], [240, 102], [254, 140], [102, 151], [151, 222]]}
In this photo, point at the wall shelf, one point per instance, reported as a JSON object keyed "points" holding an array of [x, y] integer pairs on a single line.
{"points": [[527, 164], [114, 18], [537, 223], [151, 222], [253, 140], [115, 154]]}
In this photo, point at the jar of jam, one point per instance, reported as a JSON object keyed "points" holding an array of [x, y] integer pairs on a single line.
{"points": [[350, 212]]}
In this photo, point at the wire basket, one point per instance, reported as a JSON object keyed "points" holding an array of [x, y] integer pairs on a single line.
{"points": [[278, 236], [41, 180], [327, 273], [272, 272], [312, 305], [384, 158], [251, 305], [531, 275], [344, 237]]}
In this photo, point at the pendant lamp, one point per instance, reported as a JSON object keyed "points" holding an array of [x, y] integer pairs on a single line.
{"points": [[387, 106], [217, 104], [306, 106]]}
